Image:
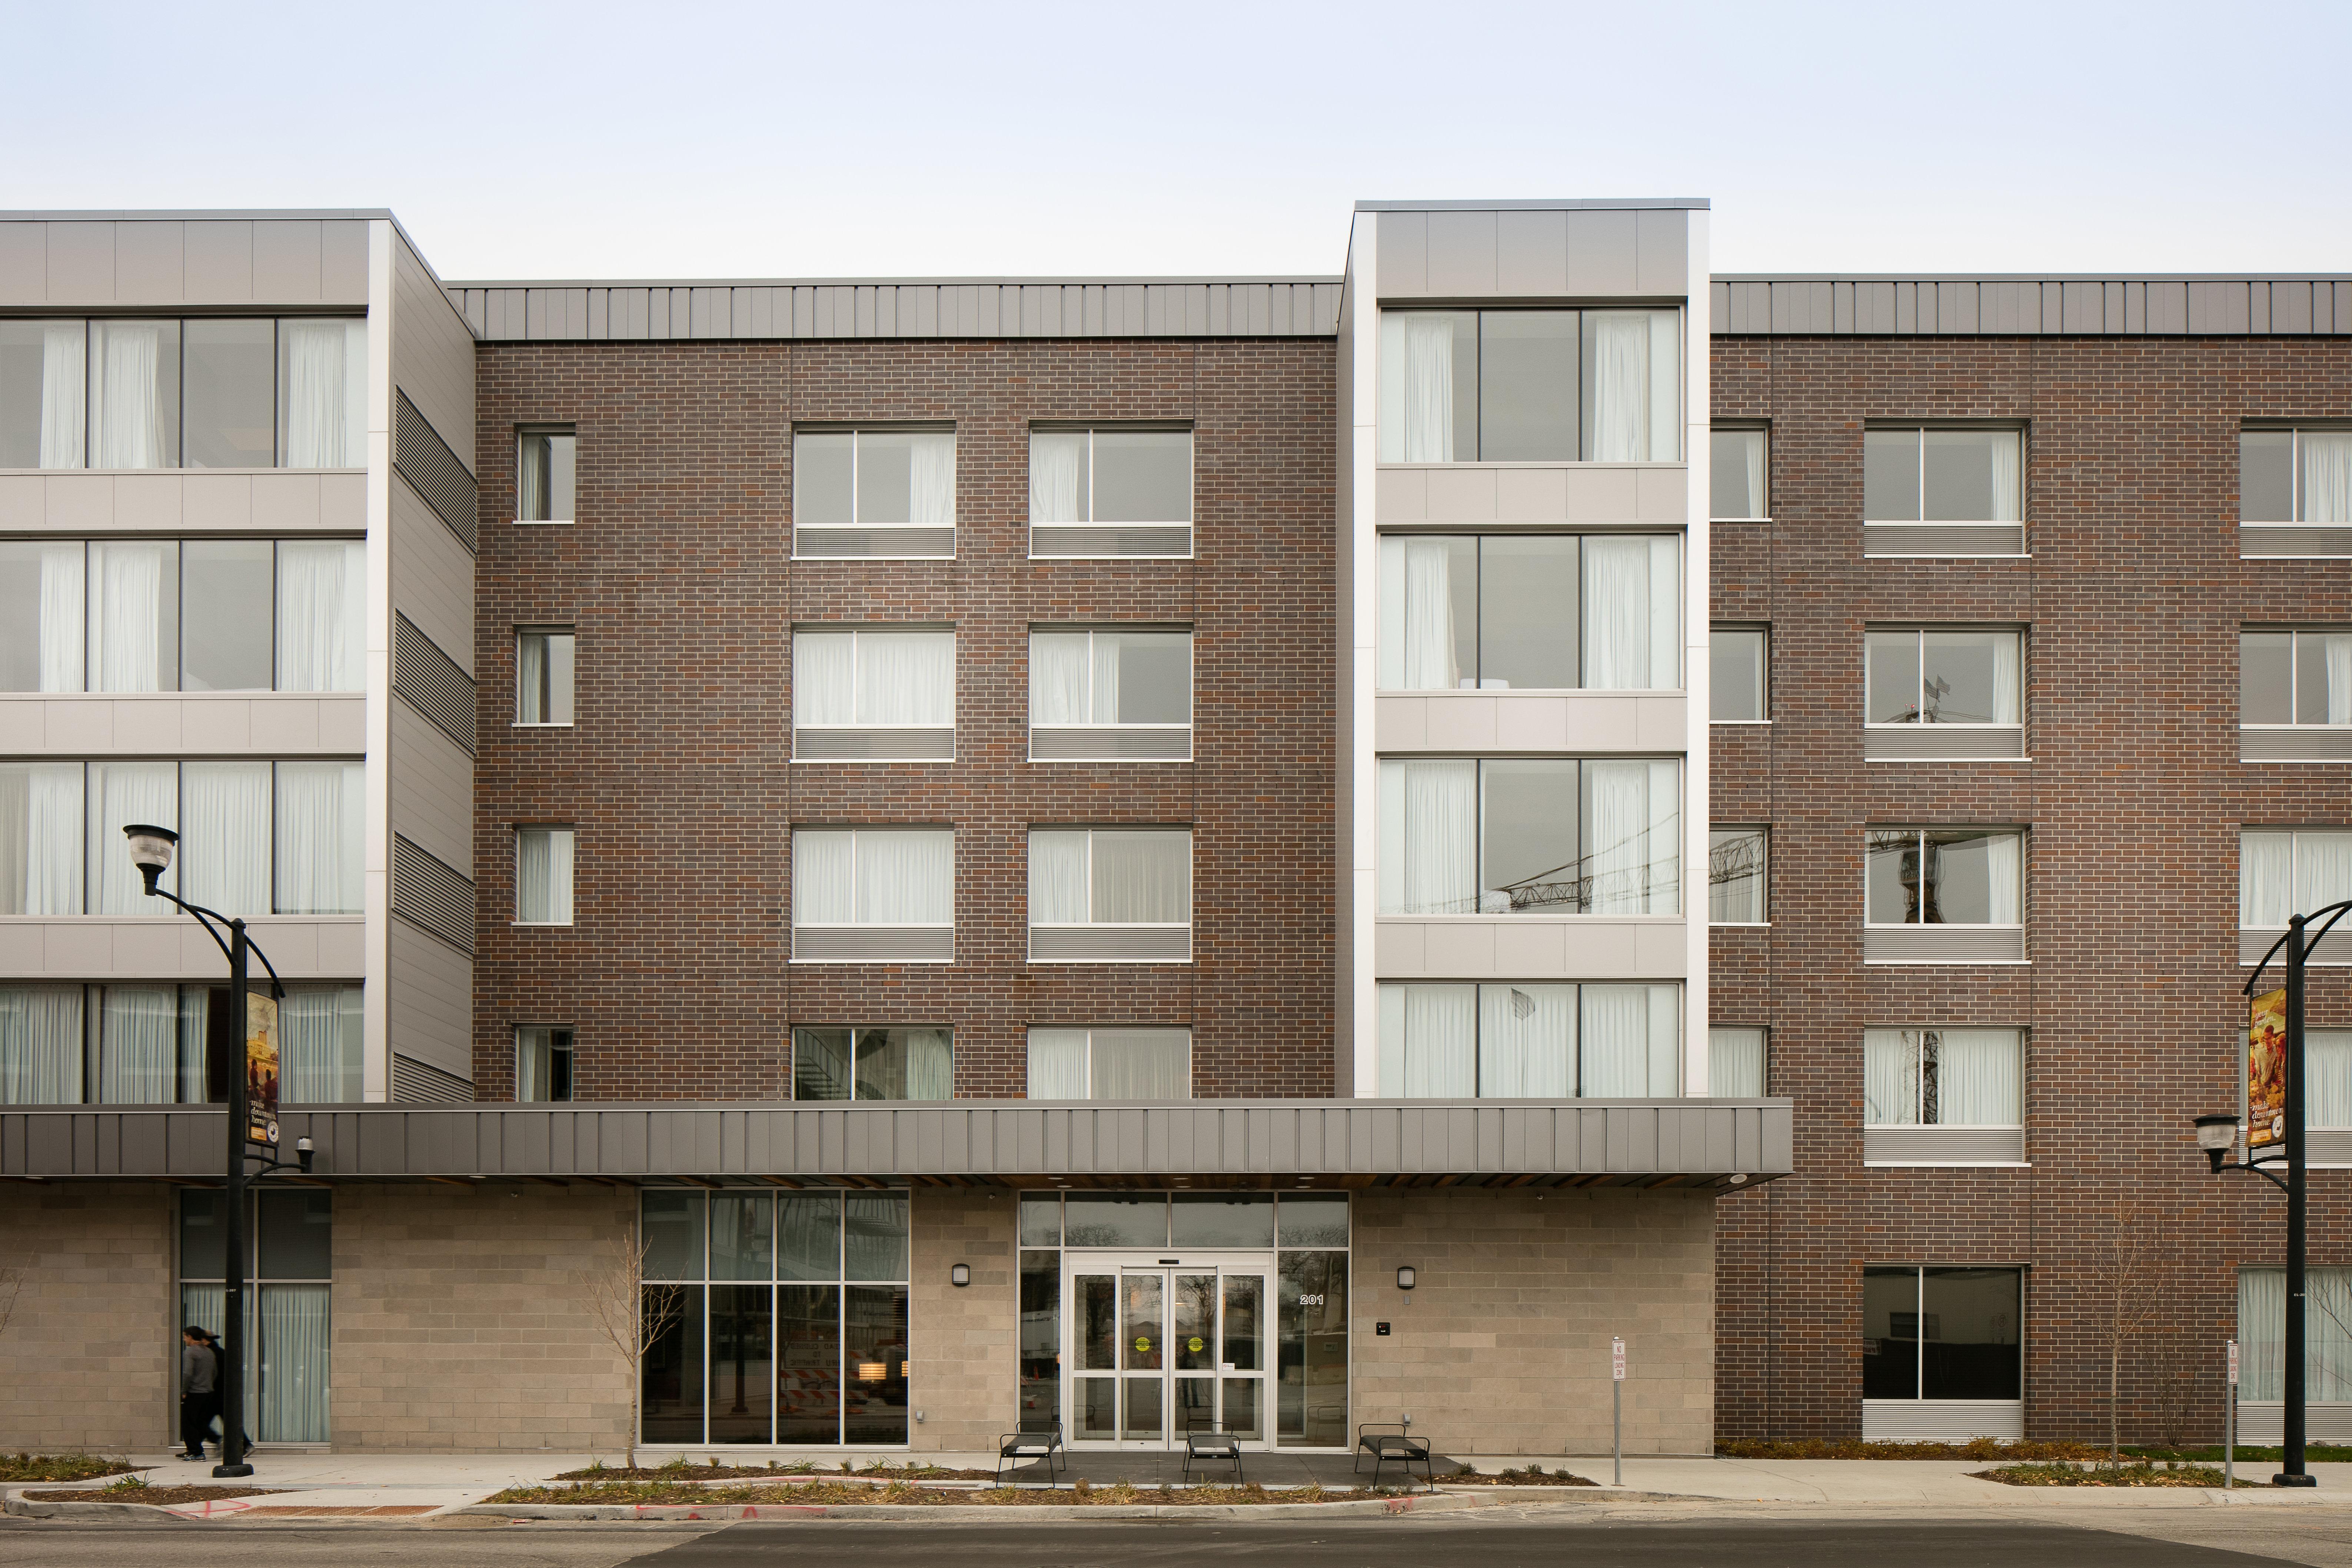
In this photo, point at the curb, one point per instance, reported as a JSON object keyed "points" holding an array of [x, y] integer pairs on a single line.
{"points": [[1021, 1513]]}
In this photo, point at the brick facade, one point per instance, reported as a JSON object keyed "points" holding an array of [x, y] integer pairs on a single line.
{"points": [[680, 579], [2134, 596]]}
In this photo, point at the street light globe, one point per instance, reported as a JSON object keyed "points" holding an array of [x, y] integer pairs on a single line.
{"points": [[150, 849], [2216, 1133]]}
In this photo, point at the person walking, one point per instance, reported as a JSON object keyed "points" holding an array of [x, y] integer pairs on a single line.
{"points": [[199, 1390]]}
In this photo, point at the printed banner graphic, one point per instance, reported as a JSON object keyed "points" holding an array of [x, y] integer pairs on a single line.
{"points": [[2266, 1075], [261, 1068]]}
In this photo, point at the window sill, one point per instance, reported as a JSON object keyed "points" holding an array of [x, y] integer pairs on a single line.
{"points": [[1111, 541], [895, 542], [1576, 916], [520, 724], [1738, 520], [544, 522], [1538, 463], [542, 925], [873, 944], [1743, 723], [174, 473], [1740, 925]]}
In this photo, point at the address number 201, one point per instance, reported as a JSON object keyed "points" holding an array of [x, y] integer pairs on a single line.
{"points": [[1311, 1300]]}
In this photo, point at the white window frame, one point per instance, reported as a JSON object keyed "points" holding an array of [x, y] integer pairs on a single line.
{"points": [[2296, 433], [573, 893], [1760, 1035], [2296, 896], [1190, 523], [524, 433], [1677, 1045], [1091, 1030], [856, 433], [2294, 665], [1092, 924], [1920, 430], [855, 833], [854, 633], [1918, 837], [1919, 634], [1478, 834], [1763, 671], [1919, 1080], [548, 631], [1736, 429]]}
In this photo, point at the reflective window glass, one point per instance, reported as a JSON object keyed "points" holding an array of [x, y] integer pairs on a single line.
{"points": [[231, 389], [228, 590]]}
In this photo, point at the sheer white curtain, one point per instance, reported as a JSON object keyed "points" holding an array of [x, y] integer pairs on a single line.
{"points": [[1428, 631], [326, 394], [132, 584], [2008, 495], [1618, 386], [905, 677], [824, 677], [905, 878], [1626, 1042], [2008, 677], [2265, 881], [1979, 1079], [1057, 460], [822, 892], [2337, 651], [2327, 475], [1058, 665], [2262, 1334], [1057, 1064], [1104, 658], [534, 1074], [1758, 503], [65, 357], [195, 1022], [1632, 618], [931, 496], [2323, 869], [40, 838], [128, 394], [1635, 847], [2328, 1056], [224, 856], [322, 811], [1527, 1042], [121, 794], [40, 1044], [543, 875], [1429, 837], [1058, 876], [1141, 1064], [62, 599], [1426, 345], [138, 1045], [294, 1339], [1890, 1078], [319, 1034], [322, 615], [930, 1063], [1734, 1063], [1428, 1042], [2005, 874], [1142, 879]]}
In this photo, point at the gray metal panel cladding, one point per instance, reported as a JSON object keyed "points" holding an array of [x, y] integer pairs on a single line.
{"points": [[430, 681], [425, 461], [873, 944], [2029, 306], [1111, 944], [874, 543], [432, 895]]}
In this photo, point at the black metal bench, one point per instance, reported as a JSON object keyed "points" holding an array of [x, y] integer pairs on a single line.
{"points": [[1206, 1443], [1039, 1437], [1395, 1447]]}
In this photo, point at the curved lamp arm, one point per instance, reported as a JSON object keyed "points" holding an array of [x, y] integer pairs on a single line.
{"points": [[2335, 911]]}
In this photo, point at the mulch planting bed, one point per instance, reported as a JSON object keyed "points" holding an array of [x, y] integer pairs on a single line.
{"points": [[59, 1467], [709, 1470], [1983, 1449], [2064, 1475], [151, 1494], [1533, 1476], [1083, 1495]]}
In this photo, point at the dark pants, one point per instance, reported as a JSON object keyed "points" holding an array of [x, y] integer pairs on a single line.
{"points": [[197, 1412]]}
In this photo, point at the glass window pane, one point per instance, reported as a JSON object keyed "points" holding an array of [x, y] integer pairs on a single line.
{"points": [[138, 1034], [1969, 1333], [1141, 1064], [1313, 1219], [1891, 678], [1633, 841], [672, 1402], [290, 1368], [1735, 1064], [1222, 1219], [1890, 874], [673, 1234], [231, 381], [1970, 677], [543, 677], [41, 601], [1735, 674], [1311, 1350], [322, 398], [885, 477], [42, 401], [742, 1243], [322, 814], [203, 1236], [134, 395], [1736, 474], [297, 1234], [1429, 614], [1735, 877], [1966, 871], [230, 589], [321, 615], [1041, 1220], [547, 478], [1060, 486], [1116, 1219], [1141, 878], [224, 853], [1526, 386], [1890, 476], [821, 1064], [873, 1231], [41, 1049], [808, 1236], [134, 615], [904, 1064], [2266, 476], [1429, 386], [1970, 475], [2322, 678], [41, 838], [822, 483], [1527, 614], [1041, 1330], [1143, 476], [1528, 851], [1150, 675], [1890, 1334], [121, 794], [1631, 394], [874, 1363], [808, 1363], [742, 1352], [2323, 869]]}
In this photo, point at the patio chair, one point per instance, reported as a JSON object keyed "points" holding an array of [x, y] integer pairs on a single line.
{"points": [[1203, 1441], [1038, 1437], [1395, 1447]]}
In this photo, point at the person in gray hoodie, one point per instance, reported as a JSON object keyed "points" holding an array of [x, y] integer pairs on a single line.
{"points": [[199, 1389]]}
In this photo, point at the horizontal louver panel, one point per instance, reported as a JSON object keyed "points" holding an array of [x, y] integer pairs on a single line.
{"points": [[2296, 744], [874, 543], [1111, 744], [432, 895], [415, 1083], [2259, 542], [1943, 540], [873, 944], [425, 461], [1943, 944], [431, 682], [877, 745], [1111, 944], [1942, 743], [1090, 542], [1943, 1146]]}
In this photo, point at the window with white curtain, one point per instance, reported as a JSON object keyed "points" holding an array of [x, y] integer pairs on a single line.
{"points": [[543, 667], [1110, 893], [542, 1062], [1736, 876], [1945, 876], [2328, 1335], [1736, 475], [2299, 676], [135, 614], [543, 876], [1943, 1078], [44, 367], [323, 393], [1915, 474], [41, 838], [547, 469], [873, 678], [889, 492], [288, 1329], [1736, 1064], [134, 394], [1110, 694], [1916, 675], [1506, 612], [1110, 491], [1524, 835], [1529, 1041], [873, 1062], [1129, 1064], [144, 1044], [321, 810], [2296, 474], [874, 893], [2327, 1063], [2287, 871], [1597, 387], [42, 1051]]}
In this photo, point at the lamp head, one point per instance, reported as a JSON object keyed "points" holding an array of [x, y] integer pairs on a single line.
{"points": [[304, 1153], [151, 850], [2217, 1135]]}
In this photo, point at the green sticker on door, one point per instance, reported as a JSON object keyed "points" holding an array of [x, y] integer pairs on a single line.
{"points": [[1193, 1343]]}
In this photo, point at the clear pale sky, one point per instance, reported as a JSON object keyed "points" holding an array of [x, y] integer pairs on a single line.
{"points": [[705, 140]]}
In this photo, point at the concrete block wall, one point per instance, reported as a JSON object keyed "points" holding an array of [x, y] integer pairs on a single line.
{"points": [[963, 1341], [85, 1357], [461, 1321], [1504, 1348]]}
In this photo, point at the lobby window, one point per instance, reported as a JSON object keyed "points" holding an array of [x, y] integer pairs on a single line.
{"points": [[874, 493], [1928, 490], [542, 1062], [1530, 1041], [2295, 677], [1943, 1078], [1736, 1064], [1736, 475], [1110, 1064], [1110, 895], [1736, 877], [2300, 475], [1940, 1332], [781, 1317], [544, 676], [874, 693], [1114, 694], [1528, 835], [547, 474], [1597, 387], [1548, 612], [199, 615], [1736, 666], [2283, 871], [1110, 491], [288, 1323], [873, 895], [543, 873], [863, 1062]]}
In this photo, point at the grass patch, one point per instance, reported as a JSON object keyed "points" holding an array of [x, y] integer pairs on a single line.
{"points": [[2142, 1474], [59, 1467], [1084, 1494]]}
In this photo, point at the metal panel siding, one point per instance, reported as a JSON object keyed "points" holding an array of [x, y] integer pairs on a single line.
{"points": [[422, 458], [1906, 308], [431, 681]]}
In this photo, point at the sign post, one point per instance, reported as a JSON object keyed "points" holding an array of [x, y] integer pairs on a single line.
{"points": [[2230, 1424], [1617, 1405]]}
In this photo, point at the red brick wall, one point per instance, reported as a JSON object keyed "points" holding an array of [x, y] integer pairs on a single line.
{"points": [[680, 578], [2134, 594]]}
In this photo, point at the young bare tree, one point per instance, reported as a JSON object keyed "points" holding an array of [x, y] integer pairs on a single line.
{"points": [[12, 1290], [2131, 1279], [633, 1314]]}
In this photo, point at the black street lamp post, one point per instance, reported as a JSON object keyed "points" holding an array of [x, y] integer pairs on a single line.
{"points": [[151, 851], [2218, 1134]]}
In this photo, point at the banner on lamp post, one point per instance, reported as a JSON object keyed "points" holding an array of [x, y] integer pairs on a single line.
{"points": [[261, 1068], [2265, 1119]]}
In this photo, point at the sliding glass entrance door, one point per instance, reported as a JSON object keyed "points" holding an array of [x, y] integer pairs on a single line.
{"points": [[1158, 1349]]}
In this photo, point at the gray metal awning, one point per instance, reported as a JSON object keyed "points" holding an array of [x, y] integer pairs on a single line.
{"points": [[1347, 1142]]}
